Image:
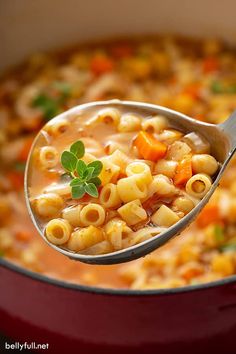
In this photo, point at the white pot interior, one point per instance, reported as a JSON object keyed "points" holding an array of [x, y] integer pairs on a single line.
{"points": [[28, 26]]}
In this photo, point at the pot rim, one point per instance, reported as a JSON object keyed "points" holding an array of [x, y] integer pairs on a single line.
{"points": [[110, 291]]}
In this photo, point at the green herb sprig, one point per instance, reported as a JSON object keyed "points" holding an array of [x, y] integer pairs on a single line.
{"points": [[219, 87], [84, 176], [219, 233], [49, 104], [231, 247], [19, 166]]}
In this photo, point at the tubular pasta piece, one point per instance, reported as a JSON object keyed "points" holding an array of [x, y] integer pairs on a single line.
{"points": [[129, 123], [85, 238], [131, 188], [109, 173], [141, 169], [109, 196], [58, 231], [198, 185], [110, 116], [92, 214], [58, 127], [120, 159], [48, 157], [155, 124]]}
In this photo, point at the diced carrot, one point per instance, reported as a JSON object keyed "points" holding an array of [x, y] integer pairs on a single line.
{"points": [[209, 215], [107, 148], [192, 272], [183, 171], [122, 50], [23, 235], [193, 90], [149, 147], [210, 64], [16, 179], [122, 175], [101, 64], [24, 152]]}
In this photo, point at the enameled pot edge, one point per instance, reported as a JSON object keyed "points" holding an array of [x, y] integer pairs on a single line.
{"points": [[112, 291]]}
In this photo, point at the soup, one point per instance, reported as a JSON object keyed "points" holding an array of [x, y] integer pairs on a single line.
{"points": [[128, 178], [194, 77]]}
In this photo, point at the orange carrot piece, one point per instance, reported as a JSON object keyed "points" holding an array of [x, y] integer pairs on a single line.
{"points": [[16, 179], [193, 90], [149, 147], [24, 152], [190, 273], [183, 171], [101, 64], [210, 64], [23, 235], [209, 215]]}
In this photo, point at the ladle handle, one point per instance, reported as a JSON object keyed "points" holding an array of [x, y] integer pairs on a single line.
{"points": [[229, 129]]}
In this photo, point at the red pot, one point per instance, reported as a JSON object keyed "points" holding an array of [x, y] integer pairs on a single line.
{"points": [[74, 318]]}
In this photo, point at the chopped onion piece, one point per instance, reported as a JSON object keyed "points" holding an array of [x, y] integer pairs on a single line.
{"points": [[98, 248], [142, 235], [197, 143]]}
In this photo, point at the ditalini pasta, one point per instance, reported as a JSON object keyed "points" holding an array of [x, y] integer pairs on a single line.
{"points": [[109, 179], [48, 157]]}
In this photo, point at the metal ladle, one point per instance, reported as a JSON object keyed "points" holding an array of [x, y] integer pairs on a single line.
{"points": [[222, 139]]}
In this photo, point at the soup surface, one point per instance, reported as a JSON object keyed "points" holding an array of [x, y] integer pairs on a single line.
{"points": [[128, 178], [194, 77]]}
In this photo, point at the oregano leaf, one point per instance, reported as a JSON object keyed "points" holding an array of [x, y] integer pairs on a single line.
{"points": [[91, 189], [78, 191], [81, 168], [88, 173], [95, 181], [68, 161], [97, 165], [78, 149]]}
